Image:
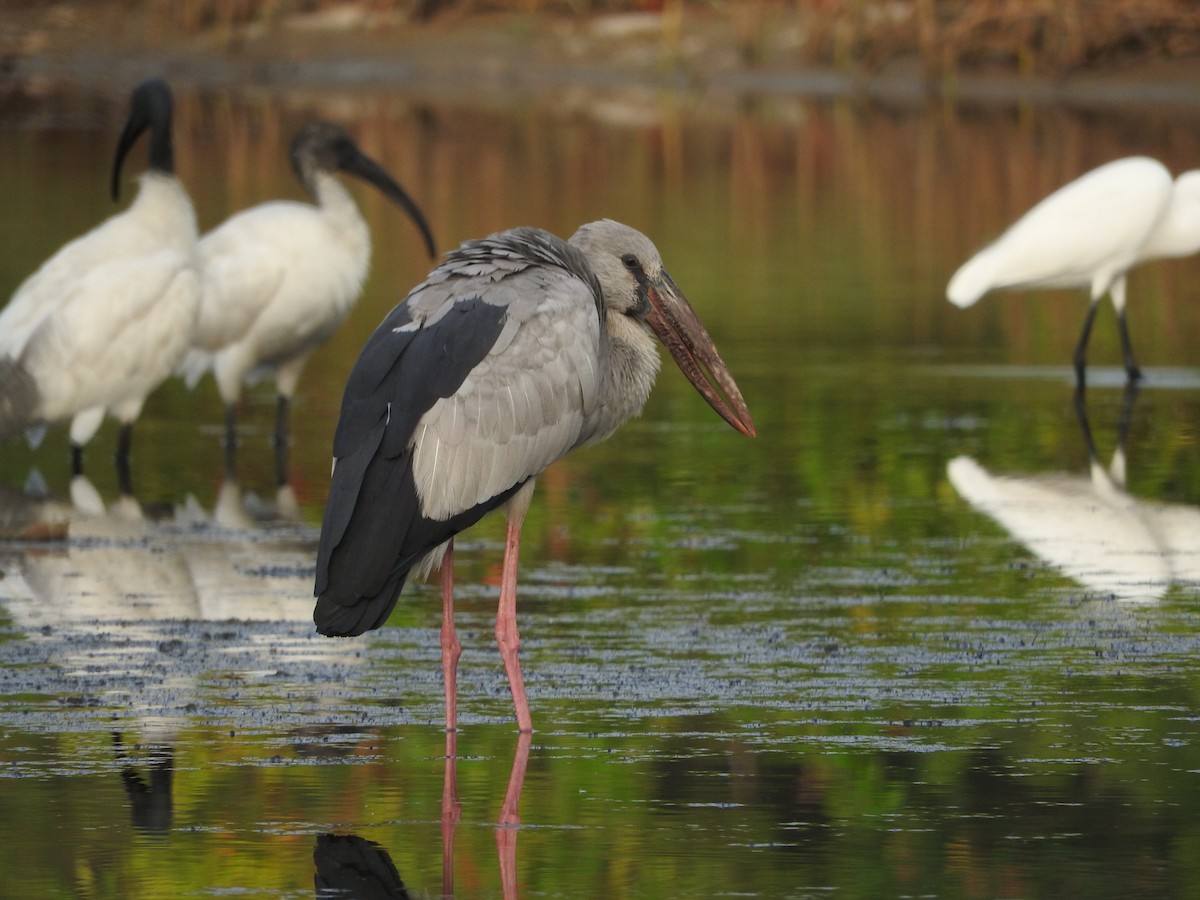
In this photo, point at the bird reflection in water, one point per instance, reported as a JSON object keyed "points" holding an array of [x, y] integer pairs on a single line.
{"points": [[510, 818], [507, 826], [350, 866], [121, 597], [1091, 528], [150, 802], [128, 563], [353, 867]]}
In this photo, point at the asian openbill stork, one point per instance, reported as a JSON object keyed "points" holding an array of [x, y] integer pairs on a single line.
{"points": [[1089, 233], [517, 349], [106, 319], [279, 278]]}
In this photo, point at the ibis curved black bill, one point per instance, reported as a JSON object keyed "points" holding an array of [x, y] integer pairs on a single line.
{"points": [[150, 107], [679, 328], [357, 163]]}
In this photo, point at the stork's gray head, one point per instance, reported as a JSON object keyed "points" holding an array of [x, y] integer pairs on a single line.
{"points": [[636, 284], [625, 261], [325, 147]]}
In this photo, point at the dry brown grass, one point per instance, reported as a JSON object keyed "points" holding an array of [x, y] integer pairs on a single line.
{"points": [[1047, 36], [1052, 36]]}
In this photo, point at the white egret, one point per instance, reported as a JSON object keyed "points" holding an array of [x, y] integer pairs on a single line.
{"points": [[1089, 233]]}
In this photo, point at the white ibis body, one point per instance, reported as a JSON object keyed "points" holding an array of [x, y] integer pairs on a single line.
{"points": [[106, 319], [1088, 234], [517, 349], [280, 277]]}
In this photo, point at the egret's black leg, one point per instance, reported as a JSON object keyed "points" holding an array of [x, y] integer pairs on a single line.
{"points": [[76, 460], [1081, 346], [1084, 425], [1132, 371], [1128, 399]]}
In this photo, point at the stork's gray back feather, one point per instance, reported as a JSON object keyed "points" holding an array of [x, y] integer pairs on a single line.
{"points": [[524, 404], [486, 268]]}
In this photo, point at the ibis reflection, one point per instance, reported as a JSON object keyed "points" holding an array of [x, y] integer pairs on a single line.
{"points": [[1090, 527], [125, 597], [119, 562]]}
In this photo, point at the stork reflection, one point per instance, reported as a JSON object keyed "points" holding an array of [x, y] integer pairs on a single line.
{"points": [[507, 826], [149, 792], [349, 865], [1090, 527]]}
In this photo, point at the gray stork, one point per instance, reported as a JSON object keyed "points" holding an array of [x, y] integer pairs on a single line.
{"points": [[517, 349]]}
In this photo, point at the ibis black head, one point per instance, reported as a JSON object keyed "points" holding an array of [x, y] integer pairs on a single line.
{"points": [[324, 147], [150, 108]]}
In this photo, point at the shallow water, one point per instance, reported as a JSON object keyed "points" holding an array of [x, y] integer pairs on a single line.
{"points": [[910, 641]]}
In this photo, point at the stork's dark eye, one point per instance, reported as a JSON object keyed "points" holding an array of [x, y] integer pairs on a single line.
{"points": [[631, 262]]}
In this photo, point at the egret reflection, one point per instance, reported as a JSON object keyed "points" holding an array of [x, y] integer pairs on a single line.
{"points": [[1090, 527]]}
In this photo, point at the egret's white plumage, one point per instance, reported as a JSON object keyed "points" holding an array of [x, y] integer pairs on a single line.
{"points": [[517, 349], [1091, 527], [107, 318], [280, 277], [1088, 234]]}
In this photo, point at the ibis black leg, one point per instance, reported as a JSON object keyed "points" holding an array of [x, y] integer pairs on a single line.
{"points": [[230, 440], [282, 416], [124, 446]]}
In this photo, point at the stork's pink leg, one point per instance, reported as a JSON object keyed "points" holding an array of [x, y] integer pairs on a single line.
{"points": [[451, 646], [506, 620]]}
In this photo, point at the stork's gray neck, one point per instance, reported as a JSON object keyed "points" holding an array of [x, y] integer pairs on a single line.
{"points": [[629, 361]]}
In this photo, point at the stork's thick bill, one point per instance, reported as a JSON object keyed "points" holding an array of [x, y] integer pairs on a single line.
{"points": [[679, 328]]}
